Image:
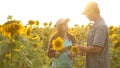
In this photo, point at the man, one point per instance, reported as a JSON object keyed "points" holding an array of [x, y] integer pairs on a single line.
{"points": [[97, 50]]}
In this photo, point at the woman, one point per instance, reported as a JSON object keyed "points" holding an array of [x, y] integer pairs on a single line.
{"points": [[64, 59]]}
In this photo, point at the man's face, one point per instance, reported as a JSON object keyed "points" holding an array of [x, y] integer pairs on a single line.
{"points": [[90, 15]]}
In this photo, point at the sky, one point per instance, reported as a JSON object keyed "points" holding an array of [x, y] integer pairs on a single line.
{"points": [[51, 10]]}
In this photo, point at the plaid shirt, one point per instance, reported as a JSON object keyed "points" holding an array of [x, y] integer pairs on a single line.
{"points": [[98, 35]]}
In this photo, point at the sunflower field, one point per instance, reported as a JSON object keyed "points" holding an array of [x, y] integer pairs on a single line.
{"points": [[26, 46]]}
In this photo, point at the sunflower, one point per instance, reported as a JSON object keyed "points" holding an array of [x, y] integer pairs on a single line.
{"points": [[72, 30], [37, 23], [115, 39], [12, 27], [45, 24], [35, 37], [85, 43], [31, 22], [112, 34], [111, 28], [8, 55], [9, 17], [17, 49], [21, 28], [5, 30], [76, 25], [74, 50], [36, 46], [57, 44], [28, 31], [40, 42], [0, 27], [117, 45]]}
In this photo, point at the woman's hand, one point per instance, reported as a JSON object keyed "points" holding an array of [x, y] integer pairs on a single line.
{"points": [[63, 50], [81, 52], [70, 56]]}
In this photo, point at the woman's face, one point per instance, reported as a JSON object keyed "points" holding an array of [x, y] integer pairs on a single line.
{"points": [[65, 27]]}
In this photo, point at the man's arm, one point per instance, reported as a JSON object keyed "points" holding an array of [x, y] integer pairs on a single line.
{"points": [[91, 49]]}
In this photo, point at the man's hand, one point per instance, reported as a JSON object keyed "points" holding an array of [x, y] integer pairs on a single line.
{"points": [[82, 53], [91, 49]]}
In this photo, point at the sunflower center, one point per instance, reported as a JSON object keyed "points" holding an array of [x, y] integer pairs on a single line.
{"points": [[58, 43]]}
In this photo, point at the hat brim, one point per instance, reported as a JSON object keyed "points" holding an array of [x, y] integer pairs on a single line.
{"points": [[62, 21], [84, 13]]}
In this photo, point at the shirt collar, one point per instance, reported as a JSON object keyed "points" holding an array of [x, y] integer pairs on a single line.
{"points": [[98, 21]]}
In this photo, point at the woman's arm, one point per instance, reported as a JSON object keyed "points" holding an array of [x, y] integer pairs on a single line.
{"points": [[51, 52]]}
